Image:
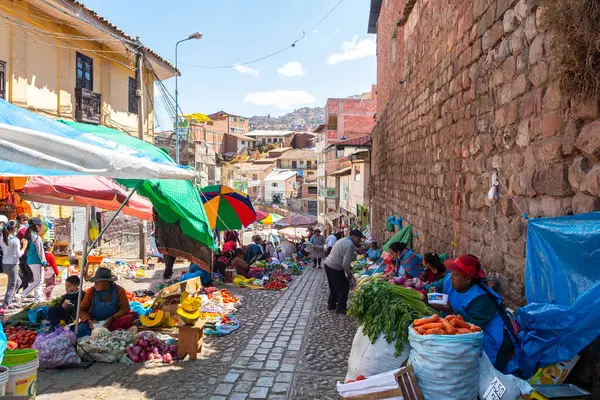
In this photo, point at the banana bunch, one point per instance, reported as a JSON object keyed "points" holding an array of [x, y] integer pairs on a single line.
{"points": [[94, 230]]}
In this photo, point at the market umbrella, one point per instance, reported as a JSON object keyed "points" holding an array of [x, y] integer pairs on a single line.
{"points": [[34, 145], [270, 219], [227, 208], [297, 220], [176, 202], [260, 215], [79, 191]]}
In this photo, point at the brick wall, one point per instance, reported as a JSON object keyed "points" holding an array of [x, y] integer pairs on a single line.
{"points": [[479, 96], [389, 72]]}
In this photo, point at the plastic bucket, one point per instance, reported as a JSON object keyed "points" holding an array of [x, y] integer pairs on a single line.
{"points": [[22, 379], [4, 374], [18, 357]]}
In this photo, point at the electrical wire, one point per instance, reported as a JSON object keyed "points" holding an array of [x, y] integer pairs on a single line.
{"points": [[272, 54]]}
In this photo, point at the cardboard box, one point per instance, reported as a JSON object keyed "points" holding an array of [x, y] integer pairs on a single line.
{"points": [[554, 374]]}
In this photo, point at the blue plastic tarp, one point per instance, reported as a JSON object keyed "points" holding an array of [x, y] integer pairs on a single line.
{"points": [[563, 258], [553, 333], [562, 278]]}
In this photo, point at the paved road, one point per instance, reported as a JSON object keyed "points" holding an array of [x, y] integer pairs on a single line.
{"points": [[288, 347]]}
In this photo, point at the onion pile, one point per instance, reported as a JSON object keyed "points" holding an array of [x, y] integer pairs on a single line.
{"points": [[151, 350]]}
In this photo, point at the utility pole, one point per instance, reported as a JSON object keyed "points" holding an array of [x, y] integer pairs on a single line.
{"points": [[141, 108]]}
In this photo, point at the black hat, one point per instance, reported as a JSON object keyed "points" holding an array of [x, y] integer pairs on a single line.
{"points": [[357, 232], [103, 274], [35, 221]]}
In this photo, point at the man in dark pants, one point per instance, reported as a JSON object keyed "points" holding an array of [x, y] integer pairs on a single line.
{"points": [[338, 268]]}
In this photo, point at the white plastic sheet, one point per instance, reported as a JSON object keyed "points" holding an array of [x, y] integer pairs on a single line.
{"points": [[371, 359]]}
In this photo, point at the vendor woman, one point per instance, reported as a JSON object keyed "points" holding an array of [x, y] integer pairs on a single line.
{"points": [[469, 296], [105, 301], [374, 252], [406, 263]]}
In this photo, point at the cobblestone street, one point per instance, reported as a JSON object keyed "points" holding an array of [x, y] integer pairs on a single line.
{"points": [[288, 347]]}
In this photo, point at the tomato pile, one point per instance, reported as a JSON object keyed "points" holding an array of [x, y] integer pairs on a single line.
{"points": [[22, 338], [228, 297], [275, 285]]}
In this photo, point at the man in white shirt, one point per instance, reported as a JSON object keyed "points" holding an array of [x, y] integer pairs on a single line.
{"points": [[329, 242]]}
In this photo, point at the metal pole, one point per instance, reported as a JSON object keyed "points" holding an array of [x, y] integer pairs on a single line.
{"points": [[143, 227], [84, 253], [176, 109], [88, 249]]}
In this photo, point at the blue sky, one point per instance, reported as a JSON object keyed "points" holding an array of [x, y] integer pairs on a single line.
{"points": [[336, 61]]}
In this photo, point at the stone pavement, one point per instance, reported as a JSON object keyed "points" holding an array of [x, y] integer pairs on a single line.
{"points": [[288, 347]]}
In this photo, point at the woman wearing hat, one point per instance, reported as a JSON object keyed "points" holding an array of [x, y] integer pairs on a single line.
{"points": [[471, 297], [105, 301]]}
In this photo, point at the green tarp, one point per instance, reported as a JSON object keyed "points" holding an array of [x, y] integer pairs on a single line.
{"points": [[173, 200], [404, 235]]}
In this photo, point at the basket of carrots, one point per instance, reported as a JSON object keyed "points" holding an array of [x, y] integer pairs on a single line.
{"points": [[450, 325]]}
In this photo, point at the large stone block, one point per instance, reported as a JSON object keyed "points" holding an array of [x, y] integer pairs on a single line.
{"points": [[510, 22], [552, 180], [584, 203], [539, 73], [589, 139], [577, 171], [591, 182], [536, 50]]}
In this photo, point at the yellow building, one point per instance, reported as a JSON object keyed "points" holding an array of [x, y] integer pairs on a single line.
{"points": [[62, 60]]}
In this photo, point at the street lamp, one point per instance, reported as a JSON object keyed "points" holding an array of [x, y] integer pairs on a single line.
{"points": [[196, 35]]}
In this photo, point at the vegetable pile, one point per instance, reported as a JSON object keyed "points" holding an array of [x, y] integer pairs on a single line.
{"points": [[19, 338], [383, 308], [151, 349], [451, 325]]}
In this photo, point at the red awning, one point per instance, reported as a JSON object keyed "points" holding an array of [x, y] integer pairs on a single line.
{"points": [[79, 191]]}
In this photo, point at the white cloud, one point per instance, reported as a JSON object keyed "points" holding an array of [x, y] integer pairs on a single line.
{"points": [[315, 31], [336, 32], [280, 98], [245, 70], [290, 69], [353, 50]]}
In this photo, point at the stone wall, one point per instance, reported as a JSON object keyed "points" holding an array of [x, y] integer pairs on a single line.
{"points": [[122, 238], [478, 97], [62, 230]]}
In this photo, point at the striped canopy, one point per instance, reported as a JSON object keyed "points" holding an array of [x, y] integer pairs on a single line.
{"points": [[227, 208], [270, 219]]}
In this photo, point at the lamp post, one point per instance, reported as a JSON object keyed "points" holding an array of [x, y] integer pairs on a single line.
{"points": [[196, 35]]}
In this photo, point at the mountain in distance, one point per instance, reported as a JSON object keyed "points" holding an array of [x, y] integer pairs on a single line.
{"points": [[304, 119]]}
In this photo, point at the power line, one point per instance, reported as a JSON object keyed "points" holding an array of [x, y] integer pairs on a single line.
{"points": [[274, 53]]}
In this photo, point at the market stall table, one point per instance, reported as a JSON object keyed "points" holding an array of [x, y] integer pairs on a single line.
{"points": [[190, 340]]}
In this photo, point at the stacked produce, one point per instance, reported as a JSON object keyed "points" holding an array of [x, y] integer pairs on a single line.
{"points": [[158, 319], [383, 308], [19, 338], [103, 345], [189, 308], [148, 348], [261, 264], [451, 325], [411, 283]]}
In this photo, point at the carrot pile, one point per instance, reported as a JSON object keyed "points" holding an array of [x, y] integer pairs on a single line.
{"points": [[451, 325]]}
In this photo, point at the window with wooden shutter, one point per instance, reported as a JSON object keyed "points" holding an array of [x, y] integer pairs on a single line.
{"points": [[133, 100], [3, 79]]}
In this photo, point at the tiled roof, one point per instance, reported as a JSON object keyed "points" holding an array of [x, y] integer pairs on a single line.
{"points": [[119, 31], [359, 141], [299, 154]]}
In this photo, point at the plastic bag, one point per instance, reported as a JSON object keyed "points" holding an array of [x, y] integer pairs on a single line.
{"points": [[37, 314], [138, 308], [515, 387], [446, 366], [56, 349], [370, 359]]}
